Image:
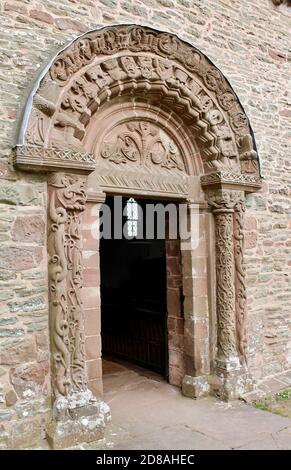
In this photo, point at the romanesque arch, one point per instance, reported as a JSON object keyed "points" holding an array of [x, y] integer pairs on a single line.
{"points": [[130, 109]]}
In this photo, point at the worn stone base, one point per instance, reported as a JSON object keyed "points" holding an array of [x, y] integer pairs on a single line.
{"points": [[230, 385], [195, 387], [78, 418], [224, 384]]}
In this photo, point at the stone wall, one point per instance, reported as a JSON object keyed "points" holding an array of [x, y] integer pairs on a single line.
{"points": [[248, 41], [24, 352]]}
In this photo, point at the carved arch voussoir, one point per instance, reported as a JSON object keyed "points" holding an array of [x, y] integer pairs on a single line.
{"points": [[140, 63]]}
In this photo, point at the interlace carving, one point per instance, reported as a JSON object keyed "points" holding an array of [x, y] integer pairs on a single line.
{"points": [[226, 339], [227, 260], [229, 177], [240, 283], [67, 202]]}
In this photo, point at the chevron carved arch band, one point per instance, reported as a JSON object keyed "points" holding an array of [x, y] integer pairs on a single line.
{"points": [[136, 67]]}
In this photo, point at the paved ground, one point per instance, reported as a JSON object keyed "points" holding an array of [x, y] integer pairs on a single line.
{"points": [[148, 413]]}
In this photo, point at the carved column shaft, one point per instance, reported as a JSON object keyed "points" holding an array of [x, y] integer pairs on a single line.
{"points": [[229, 262], [67, 197], [240, 285], [225, 291]]}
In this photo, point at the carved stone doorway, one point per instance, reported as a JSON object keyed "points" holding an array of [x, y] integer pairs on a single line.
{"points": [[132, 110]]}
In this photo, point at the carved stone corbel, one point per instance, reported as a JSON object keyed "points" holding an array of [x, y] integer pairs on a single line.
{"points": [[72, 399]]}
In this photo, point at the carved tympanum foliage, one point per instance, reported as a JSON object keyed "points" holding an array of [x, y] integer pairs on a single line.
{"points": [[141, 143], [149, 65], [67, 201]]}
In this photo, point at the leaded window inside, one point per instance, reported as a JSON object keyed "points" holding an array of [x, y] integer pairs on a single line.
{"points": [[132, 217]]}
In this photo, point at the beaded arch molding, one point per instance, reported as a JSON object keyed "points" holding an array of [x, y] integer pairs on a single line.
{"points": [[134, 64]]}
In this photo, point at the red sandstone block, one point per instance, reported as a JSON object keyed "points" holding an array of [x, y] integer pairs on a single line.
{"points": [[200, 286], [93, 347], [176, 376], [91, 297], [201, 355], [176, 341], [196, 307], [277, 55], [173, 266], [91, 277], [251, 239], [175, 325], [96, 387], [188, 285], [17, 7], [201, 329], [173, 302], [94, 369], [171, 322], [174, 282], [92, 322], [175, 358], [68, 23], [29, 228], [90, 215], [91, 259], [200, 249], [180, 326], [250, 223], [195, 287], [173, 248], [201, 306], [285, 112], [41, 16], [90, 242], [189, 346]]}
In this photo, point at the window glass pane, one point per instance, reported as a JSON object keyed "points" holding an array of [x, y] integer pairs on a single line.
{"points": [[131, 209], [132, 217]]}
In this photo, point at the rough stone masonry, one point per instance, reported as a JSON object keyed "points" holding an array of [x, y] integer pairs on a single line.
{"points": [[248, 42]]}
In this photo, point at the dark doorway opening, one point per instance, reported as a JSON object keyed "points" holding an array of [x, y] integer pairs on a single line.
{"points": [[134, 298]]}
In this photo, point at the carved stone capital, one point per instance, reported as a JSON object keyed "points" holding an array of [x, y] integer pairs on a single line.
{"points": [[228, 180], [224, 200]]}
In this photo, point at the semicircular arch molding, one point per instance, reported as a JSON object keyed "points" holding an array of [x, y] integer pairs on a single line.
{"points": [[138, 67]]}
